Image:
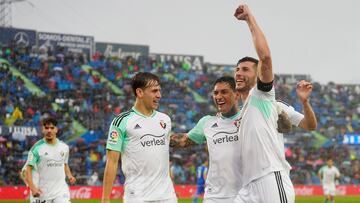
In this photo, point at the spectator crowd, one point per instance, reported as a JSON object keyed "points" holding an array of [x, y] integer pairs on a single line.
{"points": [[87, 93]]}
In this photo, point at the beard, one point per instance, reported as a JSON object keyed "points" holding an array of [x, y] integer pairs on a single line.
{"points": [[248, 84]]}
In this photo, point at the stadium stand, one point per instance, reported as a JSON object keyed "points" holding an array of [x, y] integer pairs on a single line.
{"points": [[84, 95]]}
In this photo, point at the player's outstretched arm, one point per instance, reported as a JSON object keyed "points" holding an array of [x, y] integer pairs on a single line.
{"points": [[181, 140], [303, 90], [261, 46], [36, 192], [68, 173], [112, 159]]}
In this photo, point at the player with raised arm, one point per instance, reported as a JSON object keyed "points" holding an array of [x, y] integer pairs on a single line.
{"points": [[141, 136], [263, 165]]}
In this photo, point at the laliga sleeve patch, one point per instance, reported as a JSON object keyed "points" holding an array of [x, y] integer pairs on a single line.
{"points": [[31, 156], [113, 137]]}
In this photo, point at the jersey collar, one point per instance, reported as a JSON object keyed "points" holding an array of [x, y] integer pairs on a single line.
{"points": [[232, 117], [57, 141], [140, 114]]}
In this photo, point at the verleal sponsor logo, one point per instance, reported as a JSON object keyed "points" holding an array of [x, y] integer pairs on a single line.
{"points": [[225, 137], [149, 140], [54, 163]]}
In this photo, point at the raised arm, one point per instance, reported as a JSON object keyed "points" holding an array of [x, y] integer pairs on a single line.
{"points": [[265, 71], [112, 159], [181, 140], [304, 90]]}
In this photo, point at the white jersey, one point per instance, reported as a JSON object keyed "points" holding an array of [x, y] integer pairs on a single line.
{"points": [[328, 175], [144, 145], [295, 119], [294, 116], [262, 149], [49, 161], [223, 179]]}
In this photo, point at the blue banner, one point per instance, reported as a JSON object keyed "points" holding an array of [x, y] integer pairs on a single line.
{"points": [[71, 43], [352, 139], [17, 37], [122, 50], [19, 131]]}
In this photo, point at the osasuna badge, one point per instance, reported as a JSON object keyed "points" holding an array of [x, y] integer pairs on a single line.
{"points": [[162, 124], [62, 153], [237, 122]]}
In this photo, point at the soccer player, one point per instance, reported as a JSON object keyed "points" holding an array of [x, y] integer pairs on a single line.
{"points": [[220, 133], [264, 169], [49, 157], [141, 136], [328, 174], [201, 174]]}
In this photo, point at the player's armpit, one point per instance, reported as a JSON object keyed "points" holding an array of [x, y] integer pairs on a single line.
{"points": [[284, 124]]}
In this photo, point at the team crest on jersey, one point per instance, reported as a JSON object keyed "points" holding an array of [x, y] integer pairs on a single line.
{"points": [[162, 124], [62, 153], [113, 137], [237, 122]]}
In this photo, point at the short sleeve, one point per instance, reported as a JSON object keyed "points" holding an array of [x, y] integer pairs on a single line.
{"points": [[117, 134], [197, 133], [66, 160], [33, 157], [294, 116]]}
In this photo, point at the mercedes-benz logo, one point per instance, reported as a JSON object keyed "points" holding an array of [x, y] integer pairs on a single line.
{"points": [[21, 39]]}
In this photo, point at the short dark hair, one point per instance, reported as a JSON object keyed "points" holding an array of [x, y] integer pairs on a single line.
{"points": [[226, 79], [143, 80], [49, 120], [248, 58]]}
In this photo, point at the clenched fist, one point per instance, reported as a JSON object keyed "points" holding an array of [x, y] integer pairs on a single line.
{"points": [[242, 12]]}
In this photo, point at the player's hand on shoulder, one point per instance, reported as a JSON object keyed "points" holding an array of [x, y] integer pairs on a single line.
{"points": [[242, 12]]}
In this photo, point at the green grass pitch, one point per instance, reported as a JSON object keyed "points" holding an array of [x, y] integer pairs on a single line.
{"points": [[340, 199]]}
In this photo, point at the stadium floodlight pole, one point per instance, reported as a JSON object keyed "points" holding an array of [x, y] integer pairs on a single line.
{"points": [[5, 11]]}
